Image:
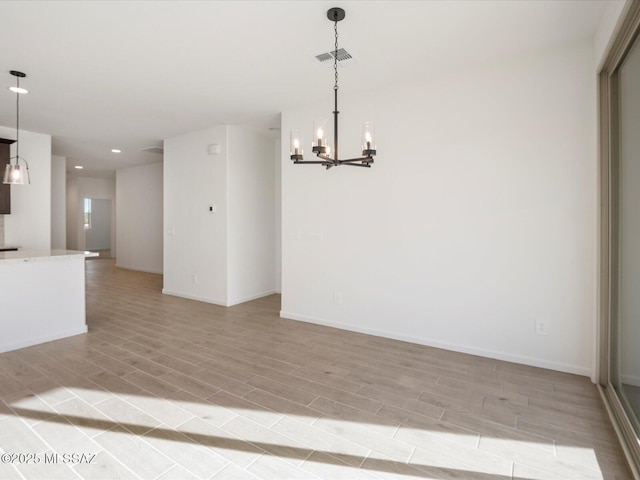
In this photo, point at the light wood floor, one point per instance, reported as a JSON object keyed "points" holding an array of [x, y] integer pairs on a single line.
{"points": [[168, 388]]}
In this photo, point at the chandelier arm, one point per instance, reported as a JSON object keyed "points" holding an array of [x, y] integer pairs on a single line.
{"points": [[317, 162], [366, 165], [360, 159]]}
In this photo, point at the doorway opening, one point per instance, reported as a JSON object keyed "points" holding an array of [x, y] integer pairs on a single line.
{"points": [[96, 216]]}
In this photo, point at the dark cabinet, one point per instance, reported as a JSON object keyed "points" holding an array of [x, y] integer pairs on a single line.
{"points": [[5, 190]]}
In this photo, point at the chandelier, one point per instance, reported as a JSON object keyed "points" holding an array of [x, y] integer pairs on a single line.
{"points": [[14, 174], [320, 144]]}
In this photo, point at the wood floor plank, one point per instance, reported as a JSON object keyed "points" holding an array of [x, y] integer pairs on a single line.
{"points": [[165, 387]]}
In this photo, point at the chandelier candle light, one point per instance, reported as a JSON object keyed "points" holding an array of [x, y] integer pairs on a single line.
{"points": [[14, 174], [320, 144]]}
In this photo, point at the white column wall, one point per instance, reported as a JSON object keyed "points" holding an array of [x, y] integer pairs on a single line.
{"points": [[29, 224], [58, 202], [72, 213], [195, 239], [278, 201]]}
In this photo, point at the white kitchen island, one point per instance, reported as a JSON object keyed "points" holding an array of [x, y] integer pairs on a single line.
{"points": [[42, 296]]}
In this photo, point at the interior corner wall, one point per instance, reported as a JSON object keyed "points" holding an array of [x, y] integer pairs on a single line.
{"points": [[29, 224], [139, 216], [58, 202], [72, 212], [278, 205], [195, 239], [251, 220], [478, 218]]}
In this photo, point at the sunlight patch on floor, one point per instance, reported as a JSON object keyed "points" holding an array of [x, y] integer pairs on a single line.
{"points": [[240, 435]]}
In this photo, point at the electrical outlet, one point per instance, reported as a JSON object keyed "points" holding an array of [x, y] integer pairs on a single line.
{"points": [[542, 327], [337, 298]]}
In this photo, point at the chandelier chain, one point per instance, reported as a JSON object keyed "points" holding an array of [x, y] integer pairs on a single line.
{"points": [[335, 56]]}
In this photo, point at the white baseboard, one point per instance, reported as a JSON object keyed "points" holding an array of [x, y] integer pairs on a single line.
{"points": [[7, 347], [249, 298], [195, 297], [138, 269], [215, 301], [505, 356]]}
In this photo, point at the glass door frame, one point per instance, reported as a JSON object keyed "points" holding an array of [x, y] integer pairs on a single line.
{"points": [[609, 154]]}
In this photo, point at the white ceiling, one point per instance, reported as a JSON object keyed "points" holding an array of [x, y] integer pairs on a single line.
{"points": [[127, 74]]}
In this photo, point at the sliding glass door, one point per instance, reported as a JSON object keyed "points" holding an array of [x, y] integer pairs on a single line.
{"points": [[619, 90], [626, 348]]}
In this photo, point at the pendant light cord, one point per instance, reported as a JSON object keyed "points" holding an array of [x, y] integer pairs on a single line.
{"points": [[18, 123]]}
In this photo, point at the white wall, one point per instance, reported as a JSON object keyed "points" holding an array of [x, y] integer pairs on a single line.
{"points": [[195, 239], [139, 201], [278, 202], [58, 202], [77, 190], [477, 218], [29, 225], [225, 256], [72, 213], [251, 221]]}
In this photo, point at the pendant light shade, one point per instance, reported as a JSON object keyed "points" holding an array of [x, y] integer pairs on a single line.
{"points": [[14, 173]]}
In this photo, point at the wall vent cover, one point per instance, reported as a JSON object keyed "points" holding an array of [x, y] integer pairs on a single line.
{"points": [[344, 58]]}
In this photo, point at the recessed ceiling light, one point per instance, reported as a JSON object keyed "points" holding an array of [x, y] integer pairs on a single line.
{"points": [[79, 167], [116, 150], [19, 90]]}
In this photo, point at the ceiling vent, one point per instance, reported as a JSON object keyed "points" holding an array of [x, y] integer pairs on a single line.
{"points": [[344, 58], [156, 150]]}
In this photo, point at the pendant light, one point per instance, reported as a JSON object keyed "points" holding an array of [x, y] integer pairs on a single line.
{"points": [[15, 174], [320, 145]]}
